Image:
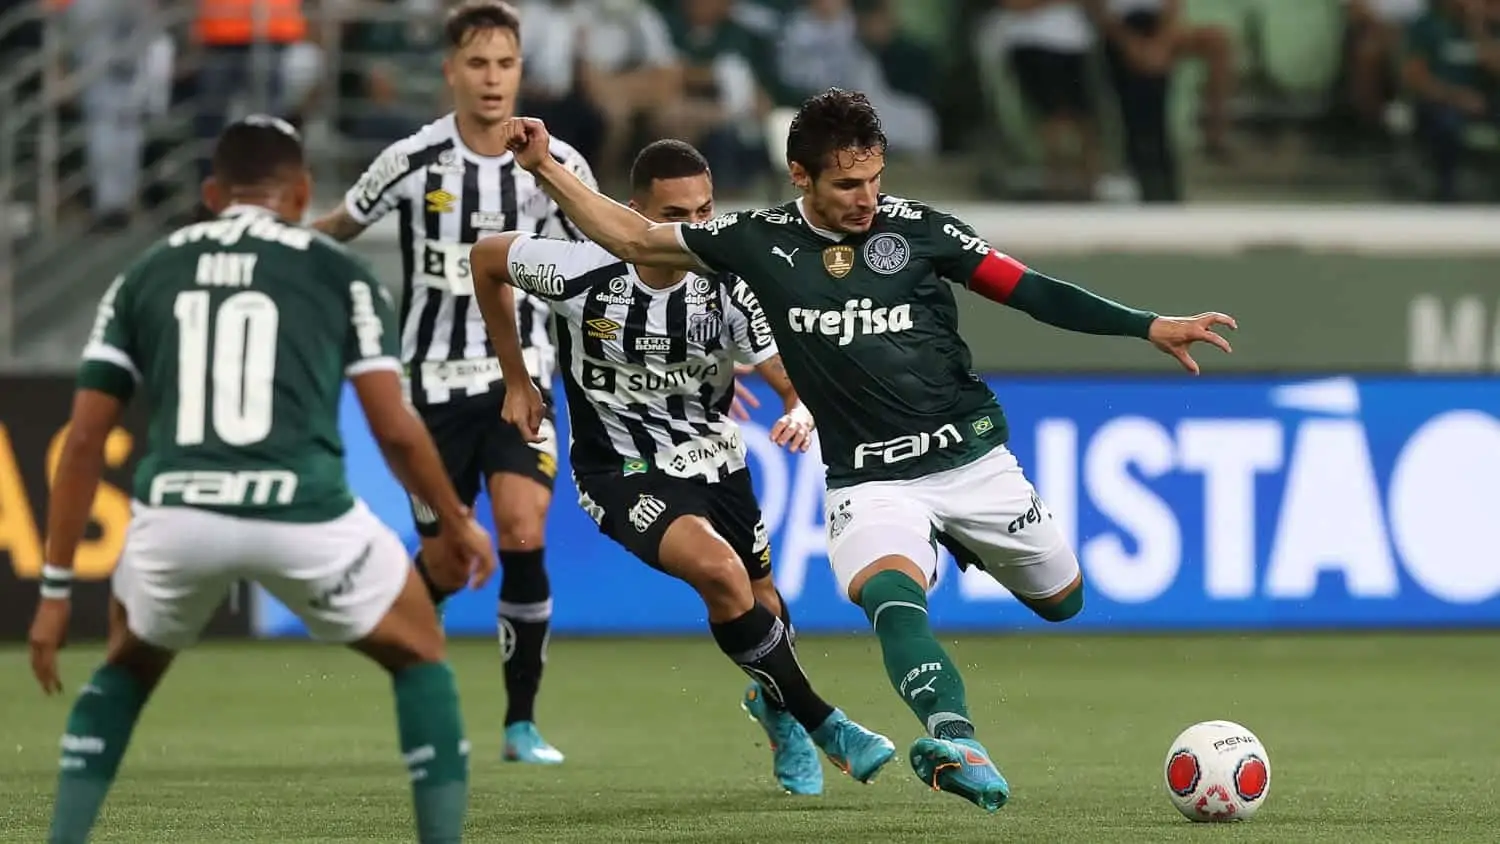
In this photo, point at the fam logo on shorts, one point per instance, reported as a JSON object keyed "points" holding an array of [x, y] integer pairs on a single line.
{"points": [[648, 508], [887, 253]]}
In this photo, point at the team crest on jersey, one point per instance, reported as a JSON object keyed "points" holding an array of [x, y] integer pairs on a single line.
{"points": [[447, 162], [887, 253], [602, 328], [439, 201], [705, 326], [838, 260]]}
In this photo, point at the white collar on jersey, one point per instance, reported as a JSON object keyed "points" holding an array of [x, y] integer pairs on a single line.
{"points": [[462, 148], [824, 233], [246, 208]]}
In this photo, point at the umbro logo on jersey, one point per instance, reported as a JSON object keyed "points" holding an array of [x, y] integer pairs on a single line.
{"points": [[439, 201], [602, 328], [785, 255]]}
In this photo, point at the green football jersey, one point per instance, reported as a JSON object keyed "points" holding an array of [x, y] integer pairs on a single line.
{"points": [[239, 333], [868, 330]]}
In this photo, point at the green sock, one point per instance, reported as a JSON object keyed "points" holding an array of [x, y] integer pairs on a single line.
{"points": [[920, 670], [434, 748], [98, 731]]}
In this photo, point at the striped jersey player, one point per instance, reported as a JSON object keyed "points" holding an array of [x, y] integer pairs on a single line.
{"points": [[451, 184], [647, 359]]}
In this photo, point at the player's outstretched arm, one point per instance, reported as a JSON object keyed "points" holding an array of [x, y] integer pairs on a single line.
{"points": [[1003, 279], [79, 468], [489, 262], [795, 427], [626, 234]]}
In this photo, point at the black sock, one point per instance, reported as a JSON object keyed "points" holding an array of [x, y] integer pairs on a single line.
{"points": [[525, 617], [757, 642], [791, 636], [437, 593]]}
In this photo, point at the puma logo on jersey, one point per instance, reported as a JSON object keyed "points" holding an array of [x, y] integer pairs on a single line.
{"points": [[858, 317], [782, 253]]}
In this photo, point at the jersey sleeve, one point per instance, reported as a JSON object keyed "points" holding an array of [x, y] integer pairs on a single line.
{"points": [[720, 244], [383, 185], [960, 255], [748, 326], [371, 338], [109, 358], [556, 270]]}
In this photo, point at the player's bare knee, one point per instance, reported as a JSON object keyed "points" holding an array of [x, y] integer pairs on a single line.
{"points": [[693, 551], [526, 533]]}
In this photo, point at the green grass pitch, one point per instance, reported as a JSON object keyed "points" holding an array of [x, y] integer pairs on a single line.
{"points": [[1372, 738]]}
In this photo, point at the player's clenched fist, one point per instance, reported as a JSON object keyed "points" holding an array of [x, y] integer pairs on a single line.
{"points": [[527, 137]]}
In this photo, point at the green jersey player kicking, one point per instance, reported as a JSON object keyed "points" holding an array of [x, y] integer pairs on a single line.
{"points": [[237, 333], [852, 282]]}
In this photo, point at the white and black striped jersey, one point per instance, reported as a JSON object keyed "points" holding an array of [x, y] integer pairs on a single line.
{"points": [[649, 374], [449, 197]]}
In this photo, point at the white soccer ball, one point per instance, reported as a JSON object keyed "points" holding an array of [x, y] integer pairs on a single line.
{"points": [[1217, 771]]}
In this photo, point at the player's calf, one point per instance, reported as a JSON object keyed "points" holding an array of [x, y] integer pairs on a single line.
{"points": [[408, 643], [100, 725], [524, 611]]}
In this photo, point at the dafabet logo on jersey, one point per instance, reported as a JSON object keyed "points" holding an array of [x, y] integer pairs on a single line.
{"points": [[602, 328], [838, 260], [439, 201]]}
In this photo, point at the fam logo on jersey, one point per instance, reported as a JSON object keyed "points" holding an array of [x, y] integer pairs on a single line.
{"points": [[439, 201], [648, 508], [602, 328], [838, 260], [704, 327], [616, 292], [887, 253]]}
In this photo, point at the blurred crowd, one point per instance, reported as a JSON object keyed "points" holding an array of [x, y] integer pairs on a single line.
{"points": [[1097, 83]]}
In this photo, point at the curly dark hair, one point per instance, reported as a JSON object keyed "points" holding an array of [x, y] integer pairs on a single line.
{"points": [[473, 16], [829, 122]]}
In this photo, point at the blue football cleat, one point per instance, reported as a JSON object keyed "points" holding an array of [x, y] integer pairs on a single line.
{"points": [[962, 767], [794, 756], [855, 750], [523, 743]]}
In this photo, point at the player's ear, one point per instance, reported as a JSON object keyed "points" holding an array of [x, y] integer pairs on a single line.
{"points": [[302, 188], [801, 179], [213, 196]]}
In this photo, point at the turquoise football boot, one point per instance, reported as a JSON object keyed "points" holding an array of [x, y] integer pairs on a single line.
{"points": [[794, 757], [855, 750], [962, 767], [524, 743]]}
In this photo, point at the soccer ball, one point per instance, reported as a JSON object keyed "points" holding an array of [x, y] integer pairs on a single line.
{"points": [[1217, 771]]}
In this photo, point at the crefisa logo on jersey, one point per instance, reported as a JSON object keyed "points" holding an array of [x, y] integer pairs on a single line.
{"points": [[887, 253]]}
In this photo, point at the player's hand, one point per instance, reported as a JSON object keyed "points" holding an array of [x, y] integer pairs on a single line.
{"points": [[527, 137], [525, 409], [470, 546], [743, 397], [1176, 335], [49, 632], [793, 431]]}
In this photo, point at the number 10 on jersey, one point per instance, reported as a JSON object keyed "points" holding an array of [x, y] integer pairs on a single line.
{"points": [[241, 366]]}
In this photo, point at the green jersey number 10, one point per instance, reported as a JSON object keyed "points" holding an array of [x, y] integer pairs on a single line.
{"points": [[243, 366]]}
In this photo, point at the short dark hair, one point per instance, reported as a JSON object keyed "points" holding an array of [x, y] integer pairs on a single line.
{"points": [[472, 16], [257, 150], [831, 121], [668, 158]]}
